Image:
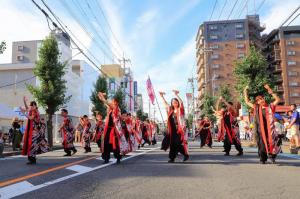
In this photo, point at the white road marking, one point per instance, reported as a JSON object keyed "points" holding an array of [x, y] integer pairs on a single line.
{"points": [[25, 187], [79, 168], [16, 189]]}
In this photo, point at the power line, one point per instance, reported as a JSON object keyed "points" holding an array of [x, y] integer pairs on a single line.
{"points": [[243, 8], [290, 17], [101, 27], [82, 10], [232, 9], [110, 28], [260, 5], [213, 10], [293, 19], [85, 29], [84, 54], [222, 9]]}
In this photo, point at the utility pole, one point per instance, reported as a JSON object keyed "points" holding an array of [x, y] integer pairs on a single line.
{"points": [[191, 80], [123, 62]]}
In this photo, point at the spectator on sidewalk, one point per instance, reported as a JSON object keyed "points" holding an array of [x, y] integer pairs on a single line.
{"points": [[16, 136], [1, 144], [294, 126]]}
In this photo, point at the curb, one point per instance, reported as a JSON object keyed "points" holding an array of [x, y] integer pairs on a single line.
{"points": [[13, 153]]}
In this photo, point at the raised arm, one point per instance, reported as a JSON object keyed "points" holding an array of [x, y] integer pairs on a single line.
{"points": [[164, 100], [270, 91], [102, 99], [176, 92], [218, 104], [25, 103], [246, 98]]}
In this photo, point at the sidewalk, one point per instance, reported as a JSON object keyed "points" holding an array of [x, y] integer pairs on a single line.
{"points": [[8, 151]]}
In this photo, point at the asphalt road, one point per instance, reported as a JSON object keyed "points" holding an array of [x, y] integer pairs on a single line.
{"points": [[146, 174]]}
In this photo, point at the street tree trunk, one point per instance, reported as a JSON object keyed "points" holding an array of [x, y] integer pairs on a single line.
{"points": [[50, 129]]}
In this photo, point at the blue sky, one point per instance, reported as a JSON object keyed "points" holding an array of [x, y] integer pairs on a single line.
{"points": [[157, 35]]}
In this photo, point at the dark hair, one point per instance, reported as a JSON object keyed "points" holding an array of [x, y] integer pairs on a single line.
{"points": [[33, 103], [85, 116], [116, 99], [124, 112], [64, 110], [295, 105], [230, 103], [172, 101]]}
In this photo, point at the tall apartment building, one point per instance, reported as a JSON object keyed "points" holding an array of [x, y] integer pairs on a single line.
{"points": [[282, 50], [218, 45]]}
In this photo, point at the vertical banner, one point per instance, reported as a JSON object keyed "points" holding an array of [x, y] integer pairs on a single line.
{"points": [[150, 90]]}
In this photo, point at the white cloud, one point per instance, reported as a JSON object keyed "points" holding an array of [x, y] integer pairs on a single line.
{"points": [[278, 12], [29, 24]]}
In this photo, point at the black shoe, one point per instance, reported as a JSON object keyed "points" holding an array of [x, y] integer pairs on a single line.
{"points": [[118, 161], [226, 154], [30, 163], [240, 153], [273, 161], [171, 161], [262, 162], [68, 154], [74, 151], [186, 157]]}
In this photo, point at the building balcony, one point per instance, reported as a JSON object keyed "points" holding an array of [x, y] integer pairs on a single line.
{"points": [[278, 69], [278, 79], [279, 88]]}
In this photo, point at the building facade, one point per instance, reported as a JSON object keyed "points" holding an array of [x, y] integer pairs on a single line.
{"points": [[281, 48], [218, 45]]}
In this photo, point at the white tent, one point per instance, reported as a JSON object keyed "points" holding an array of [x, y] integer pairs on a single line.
{"points": [[8, 113]]}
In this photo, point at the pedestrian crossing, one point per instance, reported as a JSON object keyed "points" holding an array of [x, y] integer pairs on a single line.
{"points": [[26, 186]]}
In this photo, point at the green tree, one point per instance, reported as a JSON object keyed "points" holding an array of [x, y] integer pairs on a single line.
{"points": [[2, 47], [51, 94], [225, 93], [190, 121], [252, 71], [141, 115], [120, 97], [99, 86], [208, 104]]}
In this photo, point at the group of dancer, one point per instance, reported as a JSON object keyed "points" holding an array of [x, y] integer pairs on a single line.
{"points": [[121, 133], [268, 140]]}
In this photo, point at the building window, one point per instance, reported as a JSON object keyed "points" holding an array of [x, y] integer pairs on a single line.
{"points": [[291, 53], [213, 27], [216, 77], [240, 45], [213, 37], [294, 95], [20, 48], [216, 66], [292, 73], [214, 46], [20, 57], [215, 56], [290, 43], [293, 84], [239, 36], [291, 63], [239, 25], [241, 55]]}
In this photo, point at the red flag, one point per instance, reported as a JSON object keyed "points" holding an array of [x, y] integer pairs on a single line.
{"points": [[150, 90]]}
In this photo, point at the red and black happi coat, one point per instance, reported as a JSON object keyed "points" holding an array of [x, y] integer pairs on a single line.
{"points": [[34, 136], [68, 133], [266, 129]]}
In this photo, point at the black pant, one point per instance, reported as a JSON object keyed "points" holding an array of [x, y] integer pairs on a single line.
{"points": [[176, 146], [109, 148], [146, 141], [227, 145], [68, 150], [32, 159], [203, 138]]}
